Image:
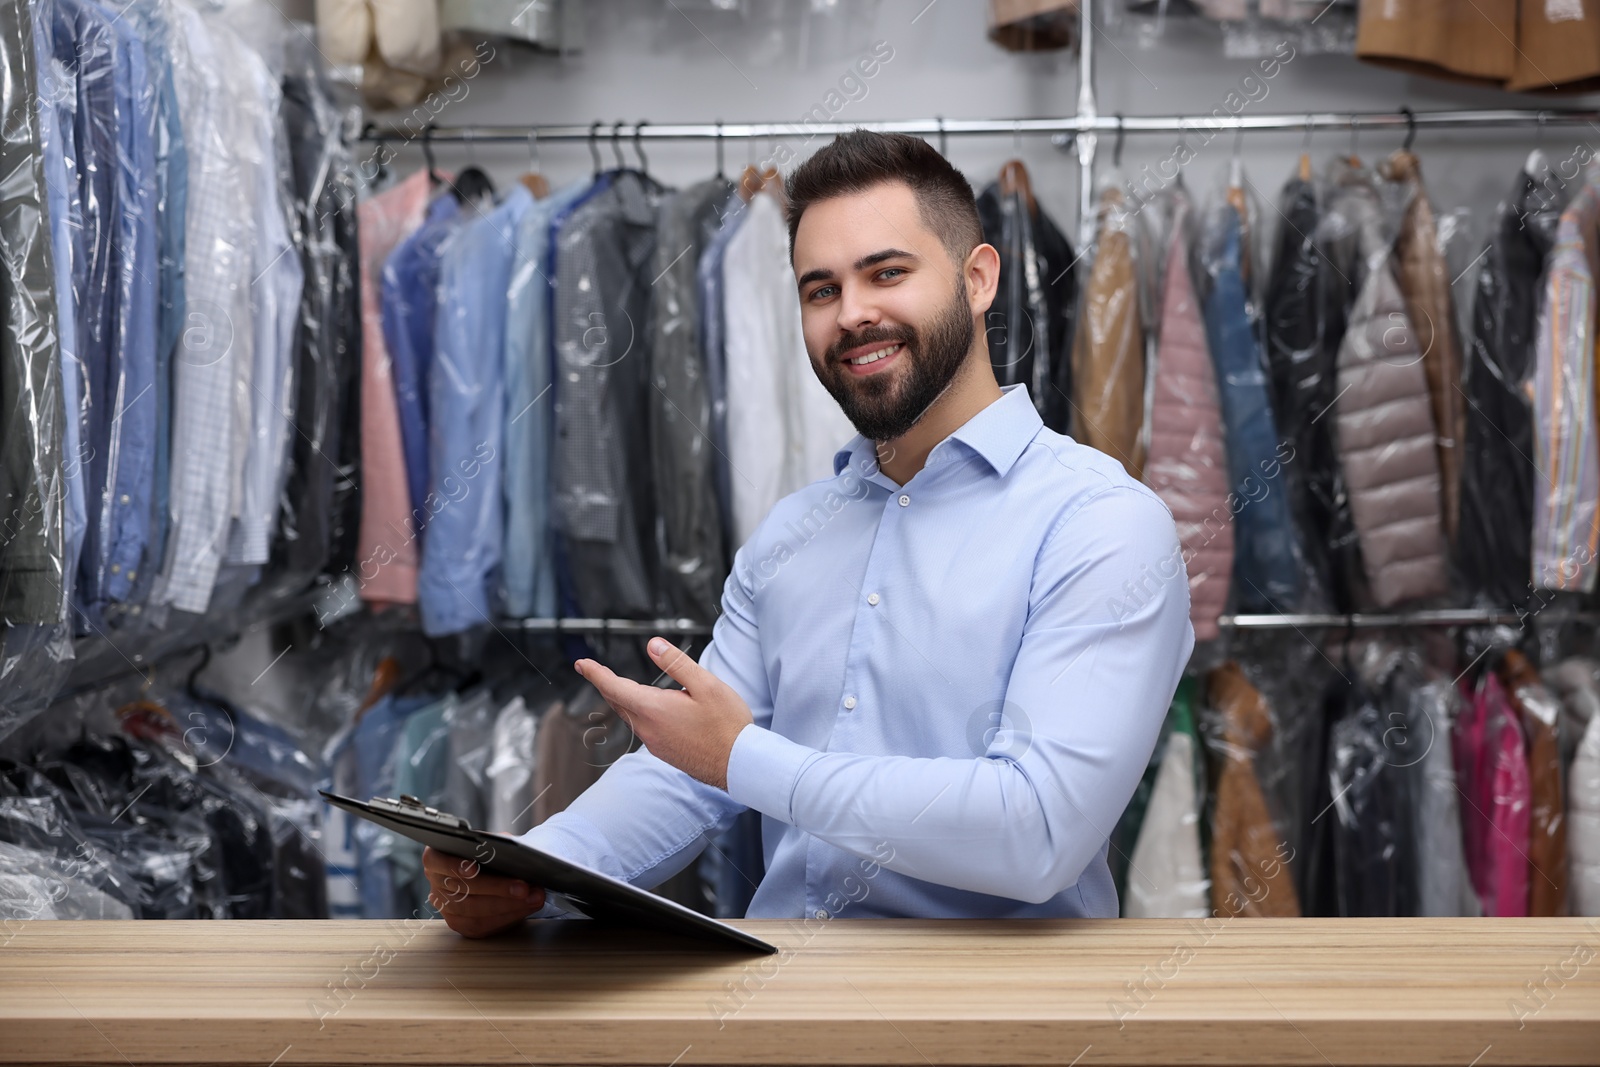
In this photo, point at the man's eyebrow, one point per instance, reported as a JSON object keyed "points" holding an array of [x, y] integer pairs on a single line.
{"points": [[822, 274]]}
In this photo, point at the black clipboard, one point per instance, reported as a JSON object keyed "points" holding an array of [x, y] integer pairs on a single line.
{"points": [[568, 884]]}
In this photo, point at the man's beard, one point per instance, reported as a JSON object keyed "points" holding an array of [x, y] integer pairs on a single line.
{"points": [[884, 407]]}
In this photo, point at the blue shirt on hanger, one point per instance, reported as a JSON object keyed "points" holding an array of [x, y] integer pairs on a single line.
{"points": [[528, 567], [955, 686], [409, 302], [466, 403]]}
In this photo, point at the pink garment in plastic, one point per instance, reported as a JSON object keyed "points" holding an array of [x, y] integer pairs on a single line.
{"points": [[1188, 463], [1492, 761], [387, 560]]}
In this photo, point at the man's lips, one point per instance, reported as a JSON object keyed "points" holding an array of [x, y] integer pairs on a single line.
{"points": [[895, 348]]}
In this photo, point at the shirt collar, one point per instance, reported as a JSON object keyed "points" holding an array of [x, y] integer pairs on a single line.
{"points": [[999, 433]]}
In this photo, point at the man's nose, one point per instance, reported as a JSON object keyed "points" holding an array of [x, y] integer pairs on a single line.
{"points": [[858, 308]]}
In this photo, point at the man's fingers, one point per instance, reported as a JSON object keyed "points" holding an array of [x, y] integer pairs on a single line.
{"points": [[476, 907], [679, 665], [458, 877]]}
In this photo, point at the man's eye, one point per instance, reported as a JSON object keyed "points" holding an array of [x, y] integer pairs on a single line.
{"points": [[887, 271], [820, 292]]}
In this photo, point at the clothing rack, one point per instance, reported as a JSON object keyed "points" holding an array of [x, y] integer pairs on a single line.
{"points": [[1079, 132]]}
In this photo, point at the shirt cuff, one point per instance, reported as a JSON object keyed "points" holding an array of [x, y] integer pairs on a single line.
{"points": [[763, 770]]}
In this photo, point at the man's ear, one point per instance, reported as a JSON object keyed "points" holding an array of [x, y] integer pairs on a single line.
{"points": [[982, 272]]}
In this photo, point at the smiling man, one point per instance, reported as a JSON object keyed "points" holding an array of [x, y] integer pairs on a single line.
{"points": [[939, 674]]}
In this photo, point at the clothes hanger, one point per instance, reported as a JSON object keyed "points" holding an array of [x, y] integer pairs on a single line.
{"points": [[380, 174], [720, 173], [942, 146], [143, 705], [385, 679], [751, 181], [472, 184], [1538, 166], [594, 151], [434, 180], [535, 182], [638, 147], [1354, 159], [616, 147], [1305, 152], [1013, 178]]}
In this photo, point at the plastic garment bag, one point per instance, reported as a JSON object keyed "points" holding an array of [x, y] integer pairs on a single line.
{"points": [[694, 565], [1428, 710], [1493, 548], [1301, 365], [1372, 836], [1108, 353], [1540, 714], [1267, 568], [510, 770], [1583, 814], [1492, 767], [602, 494], [1249, 861], [1424, 280], [1384, 420], [321, 499], [31, 412], [387, 567], [1029, 326], [1566, 482], [1166, 877], [39, 885], [1187, 464]]}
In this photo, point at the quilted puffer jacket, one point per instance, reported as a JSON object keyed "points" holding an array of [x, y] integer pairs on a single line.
{"points": [[1384, 422], [1188, 458]]}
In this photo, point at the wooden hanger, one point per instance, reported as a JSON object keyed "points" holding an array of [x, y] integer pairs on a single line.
{"points": [[750, 182], [384, 679], [1014, 180], [143, 706]]}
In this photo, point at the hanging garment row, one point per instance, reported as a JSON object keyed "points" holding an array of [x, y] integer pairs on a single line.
{"points": [[183, 803], [1285, 784], [1336, 427], [556, 385], [183, 340]]}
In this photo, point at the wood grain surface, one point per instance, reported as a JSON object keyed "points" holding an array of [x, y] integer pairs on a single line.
{"points": [[1462, 992]]}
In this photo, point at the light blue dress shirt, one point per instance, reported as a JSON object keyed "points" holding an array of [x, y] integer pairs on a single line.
{"points": [[126, 506], [57, 103], [528, 570], [956, 684], [466, 409]]}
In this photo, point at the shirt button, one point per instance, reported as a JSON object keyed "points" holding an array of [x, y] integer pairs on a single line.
{"points": [[125, 498], [904, 500], [822, 913], [116, 568], [849, 703], [872, 598]]}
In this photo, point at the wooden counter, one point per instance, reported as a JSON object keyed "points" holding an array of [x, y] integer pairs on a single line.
{"points": [[1446, 991]]}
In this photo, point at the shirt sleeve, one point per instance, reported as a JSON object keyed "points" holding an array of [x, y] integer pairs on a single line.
{"points": [[1106, 640], [645, 820]]}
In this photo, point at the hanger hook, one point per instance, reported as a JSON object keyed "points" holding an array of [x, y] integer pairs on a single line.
{"points": [[616, 145], [472, 154], [720, 173], [942, 145], [533, 148], [1016, 137], [638, 144], [1238, 137], [1411, 126], [1307, 146], [1116, 151], [594, 150], [427, 149], [1353, 128], [1538, 136]]}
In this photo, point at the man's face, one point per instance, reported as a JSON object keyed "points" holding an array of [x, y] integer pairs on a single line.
{"points": [[886, 313]]}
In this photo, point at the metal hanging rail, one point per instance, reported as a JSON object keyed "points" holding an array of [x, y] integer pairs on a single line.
{"points": [[607, 627], [1441, 618]]}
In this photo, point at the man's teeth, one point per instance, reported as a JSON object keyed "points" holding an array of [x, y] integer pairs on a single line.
{"points": [[873, 357]]}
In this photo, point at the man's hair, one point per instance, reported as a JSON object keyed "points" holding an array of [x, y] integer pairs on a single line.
{"points": [[860, 159]]}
